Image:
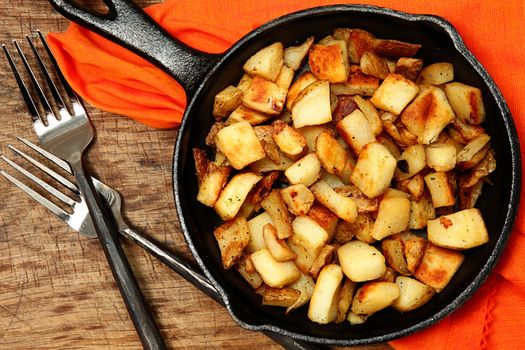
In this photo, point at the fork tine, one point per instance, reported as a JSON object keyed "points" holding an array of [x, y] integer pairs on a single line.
{"points": [[69, 91], [65, 182], [59, 195], [33, 110], [47, 76], [62, 214], [46, 154], [34, 81]]}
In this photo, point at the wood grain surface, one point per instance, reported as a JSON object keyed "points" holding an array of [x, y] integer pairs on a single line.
{"points": [[56, 290]]}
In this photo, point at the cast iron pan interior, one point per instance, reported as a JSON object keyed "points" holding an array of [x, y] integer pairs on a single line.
{"points": [[440, 43]]}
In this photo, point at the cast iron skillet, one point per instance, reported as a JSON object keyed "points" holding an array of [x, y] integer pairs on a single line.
{"points": [[204, 75]]}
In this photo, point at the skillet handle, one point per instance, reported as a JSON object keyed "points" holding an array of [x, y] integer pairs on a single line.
{"points": [[129, 26]]}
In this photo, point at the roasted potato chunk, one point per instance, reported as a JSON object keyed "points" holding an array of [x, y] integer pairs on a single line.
{"points": [[436, 74], [344, 207], [307, 241], [467, 102], [298, 199], [438, 266], [297, 86], [281, 218], [312, 105], [360, 261], [289, 140], [374, 296], [323, 305], [234, 194], [373, 65], [412, 294], [357, 83], [243, 113], [356, 131], [306, 170], [239, 144], [394, 93], [409, 67], [294, 55], [212, 183], [284, 297], [329, 61], [274, 273], [330, 153], [265, 96], [255, 229], [277, 247], [232, 237], [266, 63], [226, 102], [441, 189], [392, 217]]}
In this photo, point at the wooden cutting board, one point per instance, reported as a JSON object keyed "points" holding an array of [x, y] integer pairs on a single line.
{"points": [[56, 290]]}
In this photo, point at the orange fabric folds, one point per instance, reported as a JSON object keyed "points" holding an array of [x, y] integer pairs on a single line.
{"points": [[113, 79]]}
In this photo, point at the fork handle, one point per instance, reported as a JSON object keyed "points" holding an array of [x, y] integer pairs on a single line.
{"points": [[108, 235]]}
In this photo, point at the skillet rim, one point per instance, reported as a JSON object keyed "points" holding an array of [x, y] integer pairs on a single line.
{"points": [[509, 127]]}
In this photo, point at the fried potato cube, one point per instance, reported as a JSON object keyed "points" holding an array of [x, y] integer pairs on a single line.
{"points": [[266, 63], [329, 61], [239, 144], [465, 156], [325, 218], [265, 96], [436, 74], [364, 204], [370, 113], [394, 193], [201, 163], [409, 67], [232, 237], [294, 55], [393, 252], [305, 285], [438, 266], [413, 249], [412, 161], [298, 199], [255, 227], [412, 294], [416, 186], [360, 261], [243, 113], [361, 229], [212, 183], [252, 277], [344, 207], [386, 141], [466, 130], [374, 296], [346, 294], [276, 246], [374, 170], [441, 156], [462, 230], [324, 257], [357, 40], [392, 217], [276, 274], [306, 170], [373, 65], [266, 164], [289, 140], [323, 305], [468, 196], [428, 115], [420, 212], [281, 217], [311, 132], [357, 83], [330, 153], [226, 102], [441, 190], [312, 105], [467, 102], [244, 83], [307, 241], [284, 297], [234, 194], [297, 86], [394, 93], [356, 131]]}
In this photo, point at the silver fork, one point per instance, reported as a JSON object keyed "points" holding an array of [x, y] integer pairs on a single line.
{"points": [[80, 221], [67, 136]]}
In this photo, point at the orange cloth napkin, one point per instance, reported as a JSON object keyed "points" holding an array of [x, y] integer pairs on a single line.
{"points": [[113, 79]]}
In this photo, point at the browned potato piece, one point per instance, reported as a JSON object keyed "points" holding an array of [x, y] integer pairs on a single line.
{"points": [[393, 251], [232, 237], [412, 294], [298, 199], [360, 261], [325, 218], [263, 187], [201, 163], [394, 93], [312, 105], [297, 86], [416, 186], [324, 257], [356, 131], [226, 102], [212, 184], [374, 296], [266, 63], [420, 212], [266, 164], [374, 169], [440, 189], [255, 227], [482, 169], [284, 297], [345, 297], [441, 156], [265, 96], [234, 194], [239, 144], [413, 249], [370, 113], [392, 217], [323, 305], [468, 153], [307, 241], [412, 161], [294, 55], [466, 130], [462, 230], [357, 40], [311, 132], [282, 220], [468, 196], [364, 204], [358, 83], [467, 102], [331, 154], [306, 170], [252, 277], [389, 275], [436, 74], [373, 65], [251, 116], [389, 144], [289, 140], [244, 83], [344, 207], [277, 247], [274, 273], [285, 77], [408, 67], [438, 266], [329, 61]]}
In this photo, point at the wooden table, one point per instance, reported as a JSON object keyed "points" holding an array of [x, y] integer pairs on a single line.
{"points": [[56, 290]]}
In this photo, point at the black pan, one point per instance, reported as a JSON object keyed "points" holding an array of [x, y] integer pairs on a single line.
{"points": [[204, 75]]}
